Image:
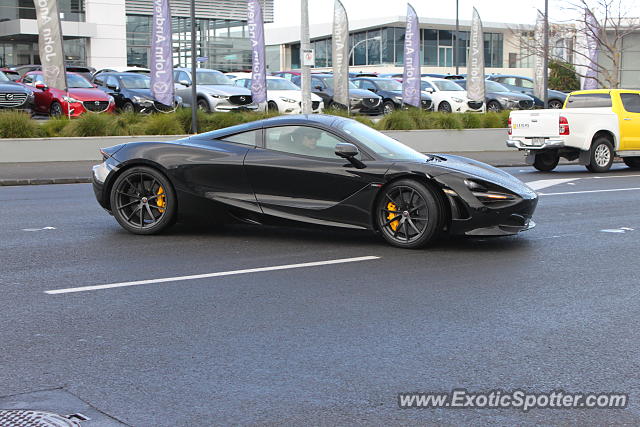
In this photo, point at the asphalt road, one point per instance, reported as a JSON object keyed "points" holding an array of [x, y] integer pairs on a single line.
{"points": [[557, 307]]}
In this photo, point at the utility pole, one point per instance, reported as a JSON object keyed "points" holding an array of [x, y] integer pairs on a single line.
{"points": [[455, 41], [305, 44], [545, 62], [194, 57]]}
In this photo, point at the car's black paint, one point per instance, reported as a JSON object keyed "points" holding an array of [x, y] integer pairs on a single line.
{"points": [[393, 96], [215, 179]]}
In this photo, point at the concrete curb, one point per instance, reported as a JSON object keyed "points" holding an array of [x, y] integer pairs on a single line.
{"points": [[43, 181]]}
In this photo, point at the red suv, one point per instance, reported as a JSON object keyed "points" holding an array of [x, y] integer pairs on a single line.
{"points": [[82, 96]]}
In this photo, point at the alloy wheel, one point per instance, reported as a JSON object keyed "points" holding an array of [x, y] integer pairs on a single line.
{"points": [[404, 215], [141, 200], [602, 155]]}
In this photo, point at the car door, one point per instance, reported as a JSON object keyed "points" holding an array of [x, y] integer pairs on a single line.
{"points": [[629, 119], [181, 90], [294, 181]]}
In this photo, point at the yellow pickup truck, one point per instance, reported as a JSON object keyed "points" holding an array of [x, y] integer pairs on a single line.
{"points": [[593, 127]]}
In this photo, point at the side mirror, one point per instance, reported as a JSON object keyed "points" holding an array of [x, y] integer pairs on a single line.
{"points": [[184, 83], [349, 151], [429, 90], [42, 86], [318, 88], [374, 90], [112, 87]]}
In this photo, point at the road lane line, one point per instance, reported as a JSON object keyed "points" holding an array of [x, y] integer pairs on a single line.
{"points": [[207, 275], [545, 183], [589, 191]]}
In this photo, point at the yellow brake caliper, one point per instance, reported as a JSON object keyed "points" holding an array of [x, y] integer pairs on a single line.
{"points": [[392, 207], [161, 201]]}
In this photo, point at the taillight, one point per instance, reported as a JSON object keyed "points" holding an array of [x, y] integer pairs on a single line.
{"points": [[563, 126], [510, 130]]}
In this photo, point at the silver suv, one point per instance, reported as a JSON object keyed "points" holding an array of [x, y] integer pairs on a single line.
{"points": [[215, 91]]}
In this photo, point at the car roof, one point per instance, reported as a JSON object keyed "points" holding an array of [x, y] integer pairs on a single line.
{"points": [[375, 79], [434, 79]]}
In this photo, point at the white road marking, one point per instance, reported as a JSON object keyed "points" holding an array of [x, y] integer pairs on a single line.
{"points": [[613, 230], [207, 275], [626, 229], [545, 183], [38, 229], [589, 191], [610, 176]]}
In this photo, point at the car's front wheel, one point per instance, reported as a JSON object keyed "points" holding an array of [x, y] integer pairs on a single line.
{"points": [[203, 105], [128, 107], [143, 200], [272, 106], [408, 214], [388, 107], [494, 106], [555, 104], [444, 107], [56, 109]]}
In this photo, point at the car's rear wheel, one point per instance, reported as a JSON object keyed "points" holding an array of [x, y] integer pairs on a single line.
{"points": [[143, 200], [408, 214], [601, 156], [632, 162], [56, 109], [203, 105], [494, 106], [546, 161], [444, 107]]}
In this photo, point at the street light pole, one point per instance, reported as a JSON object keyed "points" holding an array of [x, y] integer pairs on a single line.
{"points": [[305, 44], [545, 61], [360, 42], [194, 94], [455, 41]]}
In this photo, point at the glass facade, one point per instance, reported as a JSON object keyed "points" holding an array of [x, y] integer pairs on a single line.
{"points": [[224, 43], [386, 46], [71, 10]]}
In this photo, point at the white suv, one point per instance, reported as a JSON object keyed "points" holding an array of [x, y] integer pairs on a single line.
{"points": [[448, 96]]}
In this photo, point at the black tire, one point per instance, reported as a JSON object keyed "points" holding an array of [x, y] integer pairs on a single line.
{"points": [[601, 155], [546, 161], [388, 107], [445, 107], [128, 107], [632, 162], [132, 202], [56, 109], [419, 216], [555, 104], [272, 106], [494, 106], [203, 105]]}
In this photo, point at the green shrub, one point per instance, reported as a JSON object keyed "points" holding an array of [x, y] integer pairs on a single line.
{"points": [[16, 124], [161, 124], [55, 126], [421, 119], [494, 120], [398, 120], [471, 120], [364, 120], [92, 125], [446, 121], [562, 76]]}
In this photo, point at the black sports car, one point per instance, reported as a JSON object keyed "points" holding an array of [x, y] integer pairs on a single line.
{"points": [[320, 169]]}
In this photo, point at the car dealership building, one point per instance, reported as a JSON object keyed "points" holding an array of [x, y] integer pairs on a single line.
{"points": [[108, 33]]}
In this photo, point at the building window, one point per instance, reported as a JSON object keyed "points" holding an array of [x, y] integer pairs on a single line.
{"points": [[399, 43], [387, 46], [373, 47], [295, 56], [430, 47]]}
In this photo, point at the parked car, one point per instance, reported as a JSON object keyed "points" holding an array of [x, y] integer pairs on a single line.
{"points": [[448, 96], [24, 69], [15, 96], [361, 101], [498, 97], [81, 97], [85, 72], [132, 92], [289, 75], [13, 75], [215, 92], [283, 95], [525, 85], [391, 92], [593, 127]]}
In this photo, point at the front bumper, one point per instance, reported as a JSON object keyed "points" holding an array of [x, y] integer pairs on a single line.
{"points": [[223, 105], [528, 144]]}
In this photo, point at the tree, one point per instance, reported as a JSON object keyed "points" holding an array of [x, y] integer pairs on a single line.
{"points": [[562, 76], [605, 23]]}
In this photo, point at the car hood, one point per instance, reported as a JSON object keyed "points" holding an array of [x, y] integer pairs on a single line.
{"points": [[423, 95], [362, 93], [144, 93], [557, 93], [227, 90], [87, 94], [512, 95], [7, 87], [451, 163]]}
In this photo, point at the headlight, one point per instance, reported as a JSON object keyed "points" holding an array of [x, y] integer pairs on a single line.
{"points": [[288, 99], [489, 195], [457, 99], [398, 99], [354, 100], [70, 99], [504, 100], [213, 95], [111, 100], [141, 100]]}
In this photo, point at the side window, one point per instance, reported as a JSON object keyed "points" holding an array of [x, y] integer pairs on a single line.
{"points": [[288, 76], [426, 85], [28, 79], [589, 100], [316, 83], [181, 75], [296, 80], [631, 102], [508, 80], [366, 84], [98, 81], [302, 140], [39, 78], [526, 83], [251, 138], [112, 81]]}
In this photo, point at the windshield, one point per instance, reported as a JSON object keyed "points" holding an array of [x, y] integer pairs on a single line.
{"points": [[389, 85], [3, 77], [329, 82], [136, 82], [380, 143], [281, 84], [495, 87], [75, 81], [212, 78], [447, 85]]}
